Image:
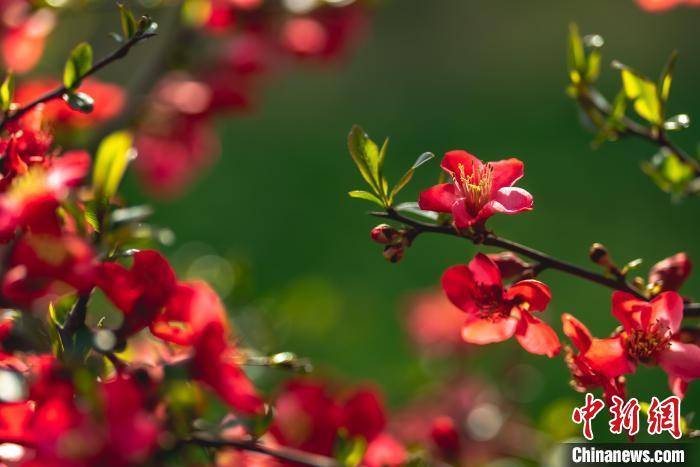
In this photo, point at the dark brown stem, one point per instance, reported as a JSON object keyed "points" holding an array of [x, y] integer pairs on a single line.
{"points": [[544, 261], [278, 452], [117, 54]]}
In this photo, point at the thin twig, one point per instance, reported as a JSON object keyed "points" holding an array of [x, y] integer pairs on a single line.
{"points": [[544, 260], [117, 54], [278, 452]]}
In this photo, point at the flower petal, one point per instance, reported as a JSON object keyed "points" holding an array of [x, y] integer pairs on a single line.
{"points": [[577, 332], [681, 360], [484, 271], [536, 336], [510, 200], [533, 292], [453, 159], [608, 356], [667, 307], [482, 331], [438, 198], [463, 218], [632, 312], [506, 173], [457, 282]]}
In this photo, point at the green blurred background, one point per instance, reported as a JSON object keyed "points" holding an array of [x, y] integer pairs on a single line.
{"points": [[486, 76]]}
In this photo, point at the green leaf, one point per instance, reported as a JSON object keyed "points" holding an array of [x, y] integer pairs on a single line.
{"points": [[349, 452], [576, 53], [413, 208], [667, 77], [366, 195], [669, 172], [643, 93], [79, 101], [78, 64], [7, 91], [422, 159], [128, 22], [113, 156], [368, 159], [593, 66]]}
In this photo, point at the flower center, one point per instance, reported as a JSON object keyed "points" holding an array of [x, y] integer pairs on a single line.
{"points": [[489, 299], [475, 188], [645, 344]]}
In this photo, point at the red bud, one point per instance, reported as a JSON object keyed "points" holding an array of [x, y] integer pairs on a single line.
{"points": [[671, 272], [445, 435], [385, 234]]}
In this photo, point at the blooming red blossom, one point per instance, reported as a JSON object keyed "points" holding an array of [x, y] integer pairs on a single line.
{"points": [[599, 362], [23, 34], [434, 323], [478, 190], [495, 313], [662, 5], [671, 273], [650, 336]]}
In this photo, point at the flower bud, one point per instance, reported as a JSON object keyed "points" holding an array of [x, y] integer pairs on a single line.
{"points": [[671, 272], [445, 436], [599, 254], [510, 264], [394, 253], [385, 234]]}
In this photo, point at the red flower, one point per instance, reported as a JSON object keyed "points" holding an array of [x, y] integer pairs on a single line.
{"points": [[434, 323], [661, 5], [599, 363], [39, 262], [385, 451], [140, 292], [22, 43], [32, 197], [671, 273], [477, 190], [445, 436], [494, 313], [650, 336]]}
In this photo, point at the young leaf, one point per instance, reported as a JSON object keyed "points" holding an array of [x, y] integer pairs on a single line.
{"points": [[366, 195], [422, 159], [576, 54], [368, 159], [79, 63], [643, 92], [113, 155], [414, 209], [128, 22], [7, 91], [667, 77], [79, 101]]}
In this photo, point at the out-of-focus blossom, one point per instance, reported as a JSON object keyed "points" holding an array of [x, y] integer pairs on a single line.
{"points": [[23, 34], [435, 324], [650, 336], [662, 5], [478, 190], [495, 313], [310, 416], [109, 100], [671, 273]]}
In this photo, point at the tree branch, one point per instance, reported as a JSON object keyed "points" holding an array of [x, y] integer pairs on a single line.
{"points": [[544, 260], [278, 452], [117, 54]]}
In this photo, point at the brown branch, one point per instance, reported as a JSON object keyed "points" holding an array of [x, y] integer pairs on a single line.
{"points": [[544, 260], [278, 452], [117, 54]]}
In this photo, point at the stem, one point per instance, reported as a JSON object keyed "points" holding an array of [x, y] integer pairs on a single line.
{"points": [[592, 98], [117, 54], [544, 260], [279, 452], [76, 317]]}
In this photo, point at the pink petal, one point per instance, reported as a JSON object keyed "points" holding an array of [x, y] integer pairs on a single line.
{"points": [[458, 283], [536, 336], [506, 173], [510, 200], [681, 360], [678, 386], [484, 271], [438, 198], [668, 307], [533, 292], [482, 331], [632, 312], [453, 159], [577, 332], [463, 218]]}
